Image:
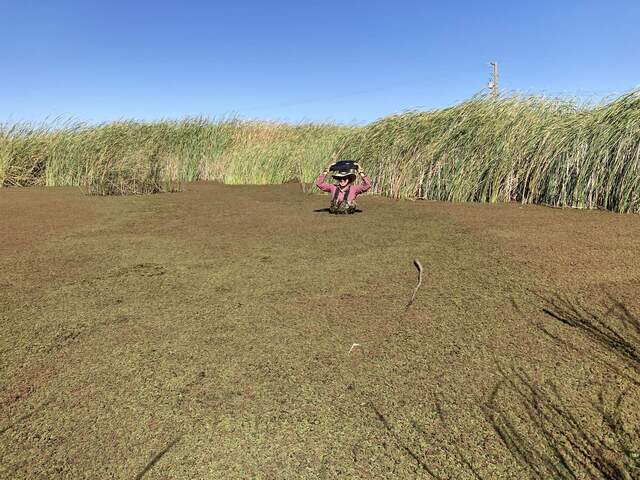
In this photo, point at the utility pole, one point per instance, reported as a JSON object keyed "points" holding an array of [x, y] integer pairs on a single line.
{"points": [[495, 79]]}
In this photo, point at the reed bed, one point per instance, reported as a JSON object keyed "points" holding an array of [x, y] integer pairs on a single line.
{"points": [[136, 157], [516, 148], [513, 148]]}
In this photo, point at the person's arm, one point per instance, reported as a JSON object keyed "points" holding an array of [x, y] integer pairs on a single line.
{"points": [[365, 185], [321, 184]]}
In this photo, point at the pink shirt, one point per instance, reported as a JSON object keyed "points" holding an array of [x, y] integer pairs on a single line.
{"points": [[353, 192]]}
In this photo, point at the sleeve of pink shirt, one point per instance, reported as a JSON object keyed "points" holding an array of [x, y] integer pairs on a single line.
{"points": [[322, 185], [364, 186]]}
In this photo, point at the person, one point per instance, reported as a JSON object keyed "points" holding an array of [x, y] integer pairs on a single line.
{"points": [[345, 191]]}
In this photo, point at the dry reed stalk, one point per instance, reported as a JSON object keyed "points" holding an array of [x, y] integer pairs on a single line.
{"points": [[418, 265]]}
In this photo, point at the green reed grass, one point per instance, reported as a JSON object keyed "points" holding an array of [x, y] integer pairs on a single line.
{"points": [[526, 149], [136, 157], [513, 148]]}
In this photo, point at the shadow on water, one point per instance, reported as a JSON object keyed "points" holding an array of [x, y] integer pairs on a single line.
{"points": [[404, 445], [23, 418], [157, 457], [552, 439], [357, 210], [610, 325], [617, 329], [463, 460], [548, 435]]}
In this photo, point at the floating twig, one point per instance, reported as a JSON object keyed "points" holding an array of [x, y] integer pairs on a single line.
{"points": [[418, 265], [157, 457]]}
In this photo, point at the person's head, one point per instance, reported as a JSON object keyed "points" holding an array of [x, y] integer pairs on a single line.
{"points": [[344, 179]]}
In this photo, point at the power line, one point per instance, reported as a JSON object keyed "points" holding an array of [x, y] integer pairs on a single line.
{"points": [[363, 92]]}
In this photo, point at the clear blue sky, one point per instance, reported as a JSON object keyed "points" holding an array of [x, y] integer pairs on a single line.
{"points": [[345, 61]]}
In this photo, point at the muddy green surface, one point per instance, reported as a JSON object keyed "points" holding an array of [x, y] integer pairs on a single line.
{"points": [[210, 334]]}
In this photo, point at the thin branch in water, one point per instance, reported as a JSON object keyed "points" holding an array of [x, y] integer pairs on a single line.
{"points": [[418, 265]]}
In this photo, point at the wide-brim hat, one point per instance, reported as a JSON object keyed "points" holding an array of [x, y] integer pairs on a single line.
{"points": [[344, 174], [344, 165]]}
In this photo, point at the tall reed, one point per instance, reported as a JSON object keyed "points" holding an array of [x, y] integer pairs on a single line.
{"points": [[526, 149], [136, 157], [513, 148]]}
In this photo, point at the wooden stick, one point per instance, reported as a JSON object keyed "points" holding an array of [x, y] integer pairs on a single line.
{"points": [[418, 265]]}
